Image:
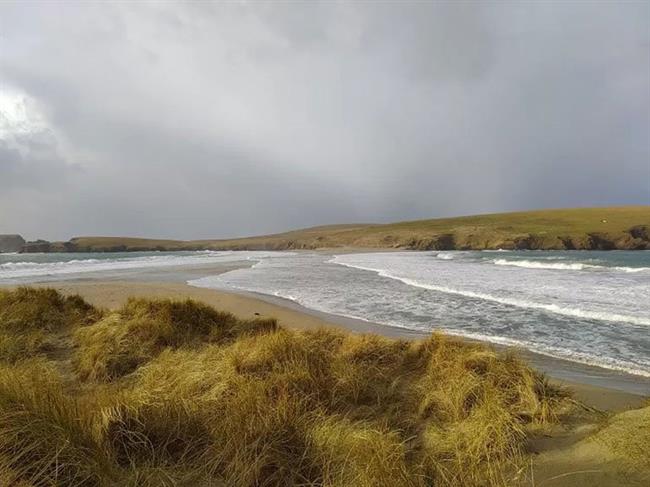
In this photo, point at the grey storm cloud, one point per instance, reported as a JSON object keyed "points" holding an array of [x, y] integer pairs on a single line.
{"points": [[201, 119]]}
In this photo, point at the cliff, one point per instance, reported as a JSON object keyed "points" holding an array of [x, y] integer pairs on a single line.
{"points": [[11, 243], [612, 228]]}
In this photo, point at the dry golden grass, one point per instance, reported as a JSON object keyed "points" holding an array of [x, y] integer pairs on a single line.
{"points": [[46, 437], [32, 319], [141, 329], [176, 393]]}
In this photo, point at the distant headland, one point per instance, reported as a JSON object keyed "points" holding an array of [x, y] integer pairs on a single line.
{"points": [[611, 228], [11, 243]]}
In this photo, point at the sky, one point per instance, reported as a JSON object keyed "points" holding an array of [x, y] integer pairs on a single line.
{"points": [[198, 120]]}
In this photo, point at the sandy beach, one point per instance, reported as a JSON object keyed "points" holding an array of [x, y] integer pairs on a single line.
{"points": [[113, 292], [567, 448]]}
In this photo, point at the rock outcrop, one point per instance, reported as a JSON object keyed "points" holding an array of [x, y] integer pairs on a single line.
{"points": [[11, 243], [615, 228], [38, 246]]}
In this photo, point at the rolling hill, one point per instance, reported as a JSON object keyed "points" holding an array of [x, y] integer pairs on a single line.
{"points": [[576, 228]]}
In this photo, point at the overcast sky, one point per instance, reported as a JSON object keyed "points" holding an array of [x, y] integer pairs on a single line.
{"points": [[193, 120]]}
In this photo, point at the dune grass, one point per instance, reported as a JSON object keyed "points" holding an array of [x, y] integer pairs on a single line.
{"points": [[31, 321], [141, 329], [175, 393]]}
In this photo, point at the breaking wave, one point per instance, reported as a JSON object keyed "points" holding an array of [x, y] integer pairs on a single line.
{"points": [[520, 303], [571, 266]]}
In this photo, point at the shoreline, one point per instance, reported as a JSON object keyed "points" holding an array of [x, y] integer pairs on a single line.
{"points": [[600, 388], [562, 370]]}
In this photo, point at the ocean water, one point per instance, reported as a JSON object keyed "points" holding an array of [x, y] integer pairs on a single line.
{"points": [[587, 307], [26, 268]]}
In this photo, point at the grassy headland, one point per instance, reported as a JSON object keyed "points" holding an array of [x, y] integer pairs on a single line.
{"points": [[577, 228], [162, 392]]}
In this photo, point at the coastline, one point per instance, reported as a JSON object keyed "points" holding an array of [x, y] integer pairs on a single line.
{"points": [[549, 229], [560, 370], [597, 387]]}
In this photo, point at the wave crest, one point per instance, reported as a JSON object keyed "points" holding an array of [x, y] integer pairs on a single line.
{"points": [[519, 303], [445, 256], [573, 266], [533, 264]]}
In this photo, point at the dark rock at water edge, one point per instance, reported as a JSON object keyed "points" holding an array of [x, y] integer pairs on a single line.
{"points": [[37, 246], [11, 243]]}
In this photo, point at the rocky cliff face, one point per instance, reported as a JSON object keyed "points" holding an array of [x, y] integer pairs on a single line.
{"points": [[636, 238], [11, 243], [40, 246]]}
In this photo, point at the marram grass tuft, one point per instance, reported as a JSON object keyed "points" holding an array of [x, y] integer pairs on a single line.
{"points": [[175, 393]]}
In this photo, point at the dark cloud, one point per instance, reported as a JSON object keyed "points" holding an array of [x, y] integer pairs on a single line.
{"points": [[211, 120]]}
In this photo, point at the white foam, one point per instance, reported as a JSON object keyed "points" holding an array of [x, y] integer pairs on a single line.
{"points": [[632, 269], [573, 266], [532, 264], [547, 350], [21, 270], [558, 352], [520, 303], [445, 256], [597, 301]]}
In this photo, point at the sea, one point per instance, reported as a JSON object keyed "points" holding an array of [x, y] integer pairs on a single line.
{"points": [[588, 307]]}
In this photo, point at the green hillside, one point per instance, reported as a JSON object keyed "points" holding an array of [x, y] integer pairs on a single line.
{"points": [[576, 228]]}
